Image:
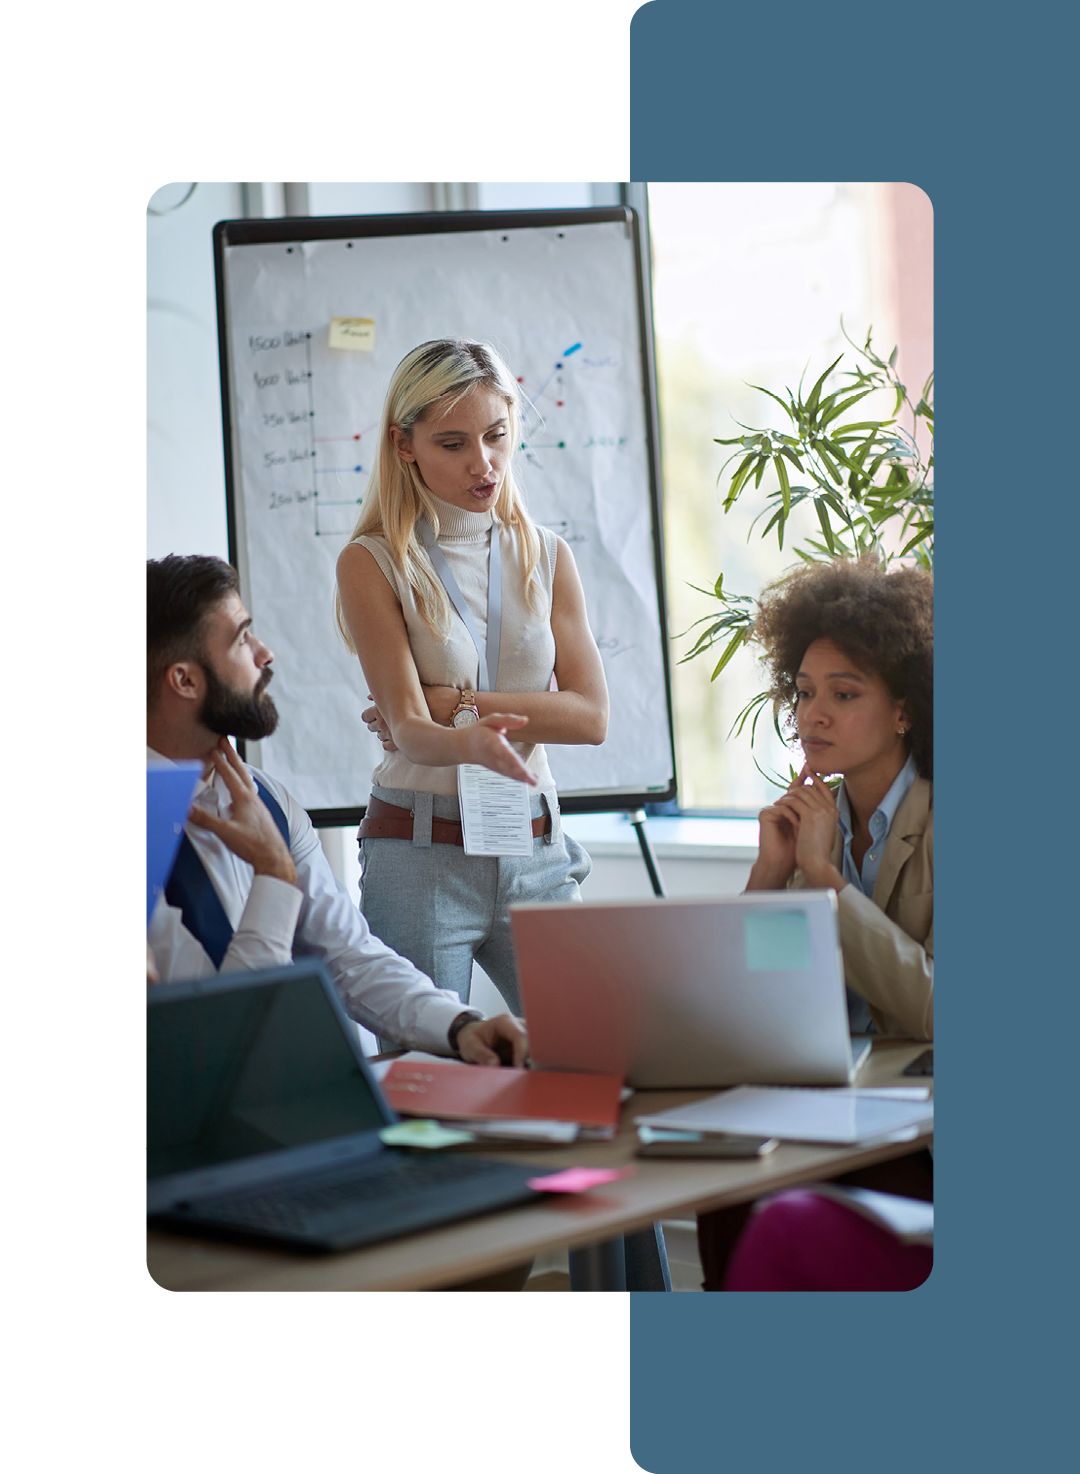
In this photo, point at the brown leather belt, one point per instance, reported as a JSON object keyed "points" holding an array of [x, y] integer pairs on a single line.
{"points": [[388, 821]]}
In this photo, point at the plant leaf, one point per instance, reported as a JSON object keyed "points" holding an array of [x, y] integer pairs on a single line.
{"points": [[737, 481], [838, 409], [785, 484], [753, 705], [823, 518], [815, 392], [785, 407], [735, 642]]}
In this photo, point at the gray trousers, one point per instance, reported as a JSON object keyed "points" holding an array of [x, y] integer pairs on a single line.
{"points": [[441, 908]]}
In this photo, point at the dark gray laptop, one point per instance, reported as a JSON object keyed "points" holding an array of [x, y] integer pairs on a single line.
{"points": [[263, 1120]]}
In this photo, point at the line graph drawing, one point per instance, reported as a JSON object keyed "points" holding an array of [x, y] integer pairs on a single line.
{"points": [[305, 410], [329, 519], [359, 435], [533, 423]]}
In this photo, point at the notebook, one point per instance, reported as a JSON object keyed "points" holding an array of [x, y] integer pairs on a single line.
{"points": [[683, 993], [169, 790], [453, 1091], [263, 1121]]}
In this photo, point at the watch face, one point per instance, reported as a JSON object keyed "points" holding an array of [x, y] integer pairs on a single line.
{"points": [[466, 718]]}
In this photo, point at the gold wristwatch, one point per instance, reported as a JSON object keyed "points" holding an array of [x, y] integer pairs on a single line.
{"points": [[466, 712]]}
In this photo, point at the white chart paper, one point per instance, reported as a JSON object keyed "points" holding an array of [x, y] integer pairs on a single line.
{"points": [[560, 303]]}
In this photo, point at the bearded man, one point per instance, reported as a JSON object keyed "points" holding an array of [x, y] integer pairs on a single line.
{"points": [[251, 887]]}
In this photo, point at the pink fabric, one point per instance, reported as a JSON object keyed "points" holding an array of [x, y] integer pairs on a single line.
{"points": [[801, 1241]]}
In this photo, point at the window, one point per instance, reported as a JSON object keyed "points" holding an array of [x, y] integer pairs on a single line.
{"points": [[750, 282]]}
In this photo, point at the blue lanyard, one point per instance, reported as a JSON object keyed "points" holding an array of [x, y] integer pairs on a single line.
{"points": [[489, 660]]}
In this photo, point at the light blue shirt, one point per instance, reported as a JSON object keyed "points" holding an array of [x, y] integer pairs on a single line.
{"points": [[859, 1019], [880, 824]]}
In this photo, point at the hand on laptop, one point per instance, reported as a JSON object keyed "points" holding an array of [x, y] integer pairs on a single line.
{"points": [[251, 832], [487, 1041]]}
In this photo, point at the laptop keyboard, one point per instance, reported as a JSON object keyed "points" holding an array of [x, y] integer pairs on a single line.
{"points": [[291, 1207]]}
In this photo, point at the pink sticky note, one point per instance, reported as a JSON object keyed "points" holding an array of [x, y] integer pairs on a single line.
{"points": [[578, 1179]]}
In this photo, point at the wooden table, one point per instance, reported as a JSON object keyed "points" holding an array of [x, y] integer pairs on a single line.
{"points": [[660, 1189]]}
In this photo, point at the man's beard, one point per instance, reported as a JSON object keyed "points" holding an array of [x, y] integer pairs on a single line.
{"points": [[232, 713]]}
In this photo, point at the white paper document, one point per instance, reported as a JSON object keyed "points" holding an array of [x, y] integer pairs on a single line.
{"points": [[797, 1115], [495, 814], [528, 1130]]}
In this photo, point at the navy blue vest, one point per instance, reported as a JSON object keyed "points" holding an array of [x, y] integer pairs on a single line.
{"points": [[192, 891]]}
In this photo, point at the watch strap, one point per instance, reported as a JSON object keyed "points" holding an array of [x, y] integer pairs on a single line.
{"points": [[466, 702], [457, 1026]]}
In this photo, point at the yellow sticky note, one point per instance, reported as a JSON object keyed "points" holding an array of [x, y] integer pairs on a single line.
{"points": [[352, 332]]}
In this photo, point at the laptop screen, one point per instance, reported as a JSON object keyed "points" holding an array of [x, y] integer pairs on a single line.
{"points": [[237, 1071]]}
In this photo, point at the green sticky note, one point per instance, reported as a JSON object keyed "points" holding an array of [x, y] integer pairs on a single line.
{"points": [[776, 941], [427, 1134]]}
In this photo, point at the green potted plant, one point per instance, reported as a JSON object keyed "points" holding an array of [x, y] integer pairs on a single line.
{"points": [[870, 483]]}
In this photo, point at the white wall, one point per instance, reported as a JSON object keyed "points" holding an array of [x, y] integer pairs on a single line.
{"points": [[185, 501]]}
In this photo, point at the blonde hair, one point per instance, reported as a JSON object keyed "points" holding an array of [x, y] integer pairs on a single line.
{"points": [[440, 372]]}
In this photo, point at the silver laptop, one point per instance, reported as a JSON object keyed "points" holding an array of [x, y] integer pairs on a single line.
{"points": [[739, 990]]}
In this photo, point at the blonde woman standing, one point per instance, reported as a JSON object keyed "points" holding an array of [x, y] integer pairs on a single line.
{"points": [[461, 611]]}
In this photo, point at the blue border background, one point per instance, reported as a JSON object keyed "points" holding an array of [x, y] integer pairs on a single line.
{"points": [[968, 102]]}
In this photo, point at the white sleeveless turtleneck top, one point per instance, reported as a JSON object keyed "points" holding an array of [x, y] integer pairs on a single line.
{"points": [[527, 646]]}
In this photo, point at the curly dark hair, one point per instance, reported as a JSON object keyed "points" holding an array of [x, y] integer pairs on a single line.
{"points": [[884, 622]]}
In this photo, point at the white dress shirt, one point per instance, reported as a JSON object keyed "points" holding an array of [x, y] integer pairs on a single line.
{"points": [[274, 922]]}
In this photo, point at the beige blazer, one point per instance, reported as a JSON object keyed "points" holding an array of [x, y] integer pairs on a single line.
{"points": [[888, 941]]}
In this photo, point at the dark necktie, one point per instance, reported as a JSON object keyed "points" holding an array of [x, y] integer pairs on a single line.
{"points": [[192, 891]]}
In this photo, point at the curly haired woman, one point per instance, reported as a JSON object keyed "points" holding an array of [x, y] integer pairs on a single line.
{"points": [[850, 650]]}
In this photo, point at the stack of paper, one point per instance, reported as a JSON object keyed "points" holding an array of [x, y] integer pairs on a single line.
{"points": [[840, 1116]]}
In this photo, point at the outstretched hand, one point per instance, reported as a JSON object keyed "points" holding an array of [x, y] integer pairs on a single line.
{"points": [[485, 743]]}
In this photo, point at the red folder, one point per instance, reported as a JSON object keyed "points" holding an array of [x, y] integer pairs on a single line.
{"points": [[455, 1091]]}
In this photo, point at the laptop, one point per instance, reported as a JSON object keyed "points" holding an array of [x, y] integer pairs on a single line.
{"points": [[169, 790], [737, 990], [263, 1121]]}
